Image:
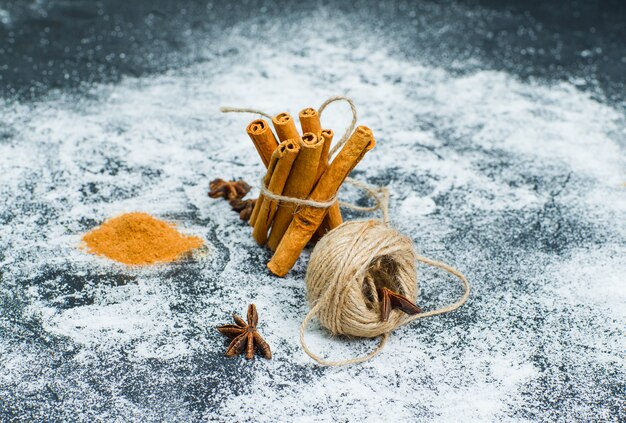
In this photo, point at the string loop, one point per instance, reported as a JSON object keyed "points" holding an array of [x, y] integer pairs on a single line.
{"points": [[310, 315], [350, 128]]}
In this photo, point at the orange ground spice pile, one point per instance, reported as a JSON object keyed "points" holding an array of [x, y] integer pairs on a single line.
{"points": [[138, 238]]}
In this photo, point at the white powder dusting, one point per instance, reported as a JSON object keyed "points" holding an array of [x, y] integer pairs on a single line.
{"points": [[5, 17], [518, 184]]}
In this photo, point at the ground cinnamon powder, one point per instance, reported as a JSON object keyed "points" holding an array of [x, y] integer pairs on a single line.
{"points": [[138, 238]]}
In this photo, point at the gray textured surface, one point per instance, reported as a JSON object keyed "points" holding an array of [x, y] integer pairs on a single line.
{"points": [[517, 182]]}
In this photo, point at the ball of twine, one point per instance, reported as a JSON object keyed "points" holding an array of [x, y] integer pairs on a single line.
{"points": [[345, 270]]}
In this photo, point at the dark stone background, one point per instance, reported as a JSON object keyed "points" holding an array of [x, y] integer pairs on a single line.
{"points": [[67, 46]]}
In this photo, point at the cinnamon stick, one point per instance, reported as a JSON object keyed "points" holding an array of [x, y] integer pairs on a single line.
{"points": [[285, 127], [333, 218], [306, 222], [299, 185], [310, 121], [276, 184], [277, 154], [263, 139], [328, 139]]}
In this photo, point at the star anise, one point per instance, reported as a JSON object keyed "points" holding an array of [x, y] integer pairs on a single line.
{"points": [[228, 189], [390, 300], [244, 207], [245, 336]]}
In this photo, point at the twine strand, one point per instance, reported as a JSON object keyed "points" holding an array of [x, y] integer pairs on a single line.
{"points": [[298, 201], [453, 271], [312, 313], [350, 128], [227, 109], [380, 195]]}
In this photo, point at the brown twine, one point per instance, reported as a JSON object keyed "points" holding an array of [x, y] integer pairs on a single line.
{"points": [[346, 266], [379, 194], [226, 109], [350, 128], [352, 260]]}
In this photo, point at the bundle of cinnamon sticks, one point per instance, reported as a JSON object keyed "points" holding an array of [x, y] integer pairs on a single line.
{"points": [[298, 167]]}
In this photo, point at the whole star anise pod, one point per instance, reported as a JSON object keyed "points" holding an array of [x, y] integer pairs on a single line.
{"points": [[244, 207], [245, 336], [390, 300], [378, 279], [228, 189]]}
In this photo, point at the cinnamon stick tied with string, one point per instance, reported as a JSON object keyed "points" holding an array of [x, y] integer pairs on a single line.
{"points": [[310, 122], [333, 218], [328, 139], [306, 222], [276, 155], [282, 169], [285, 127], [299, 185], [263, 139]]}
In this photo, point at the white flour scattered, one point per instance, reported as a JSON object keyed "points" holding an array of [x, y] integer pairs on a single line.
{"points": [[5, 17], [520, 185]]}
